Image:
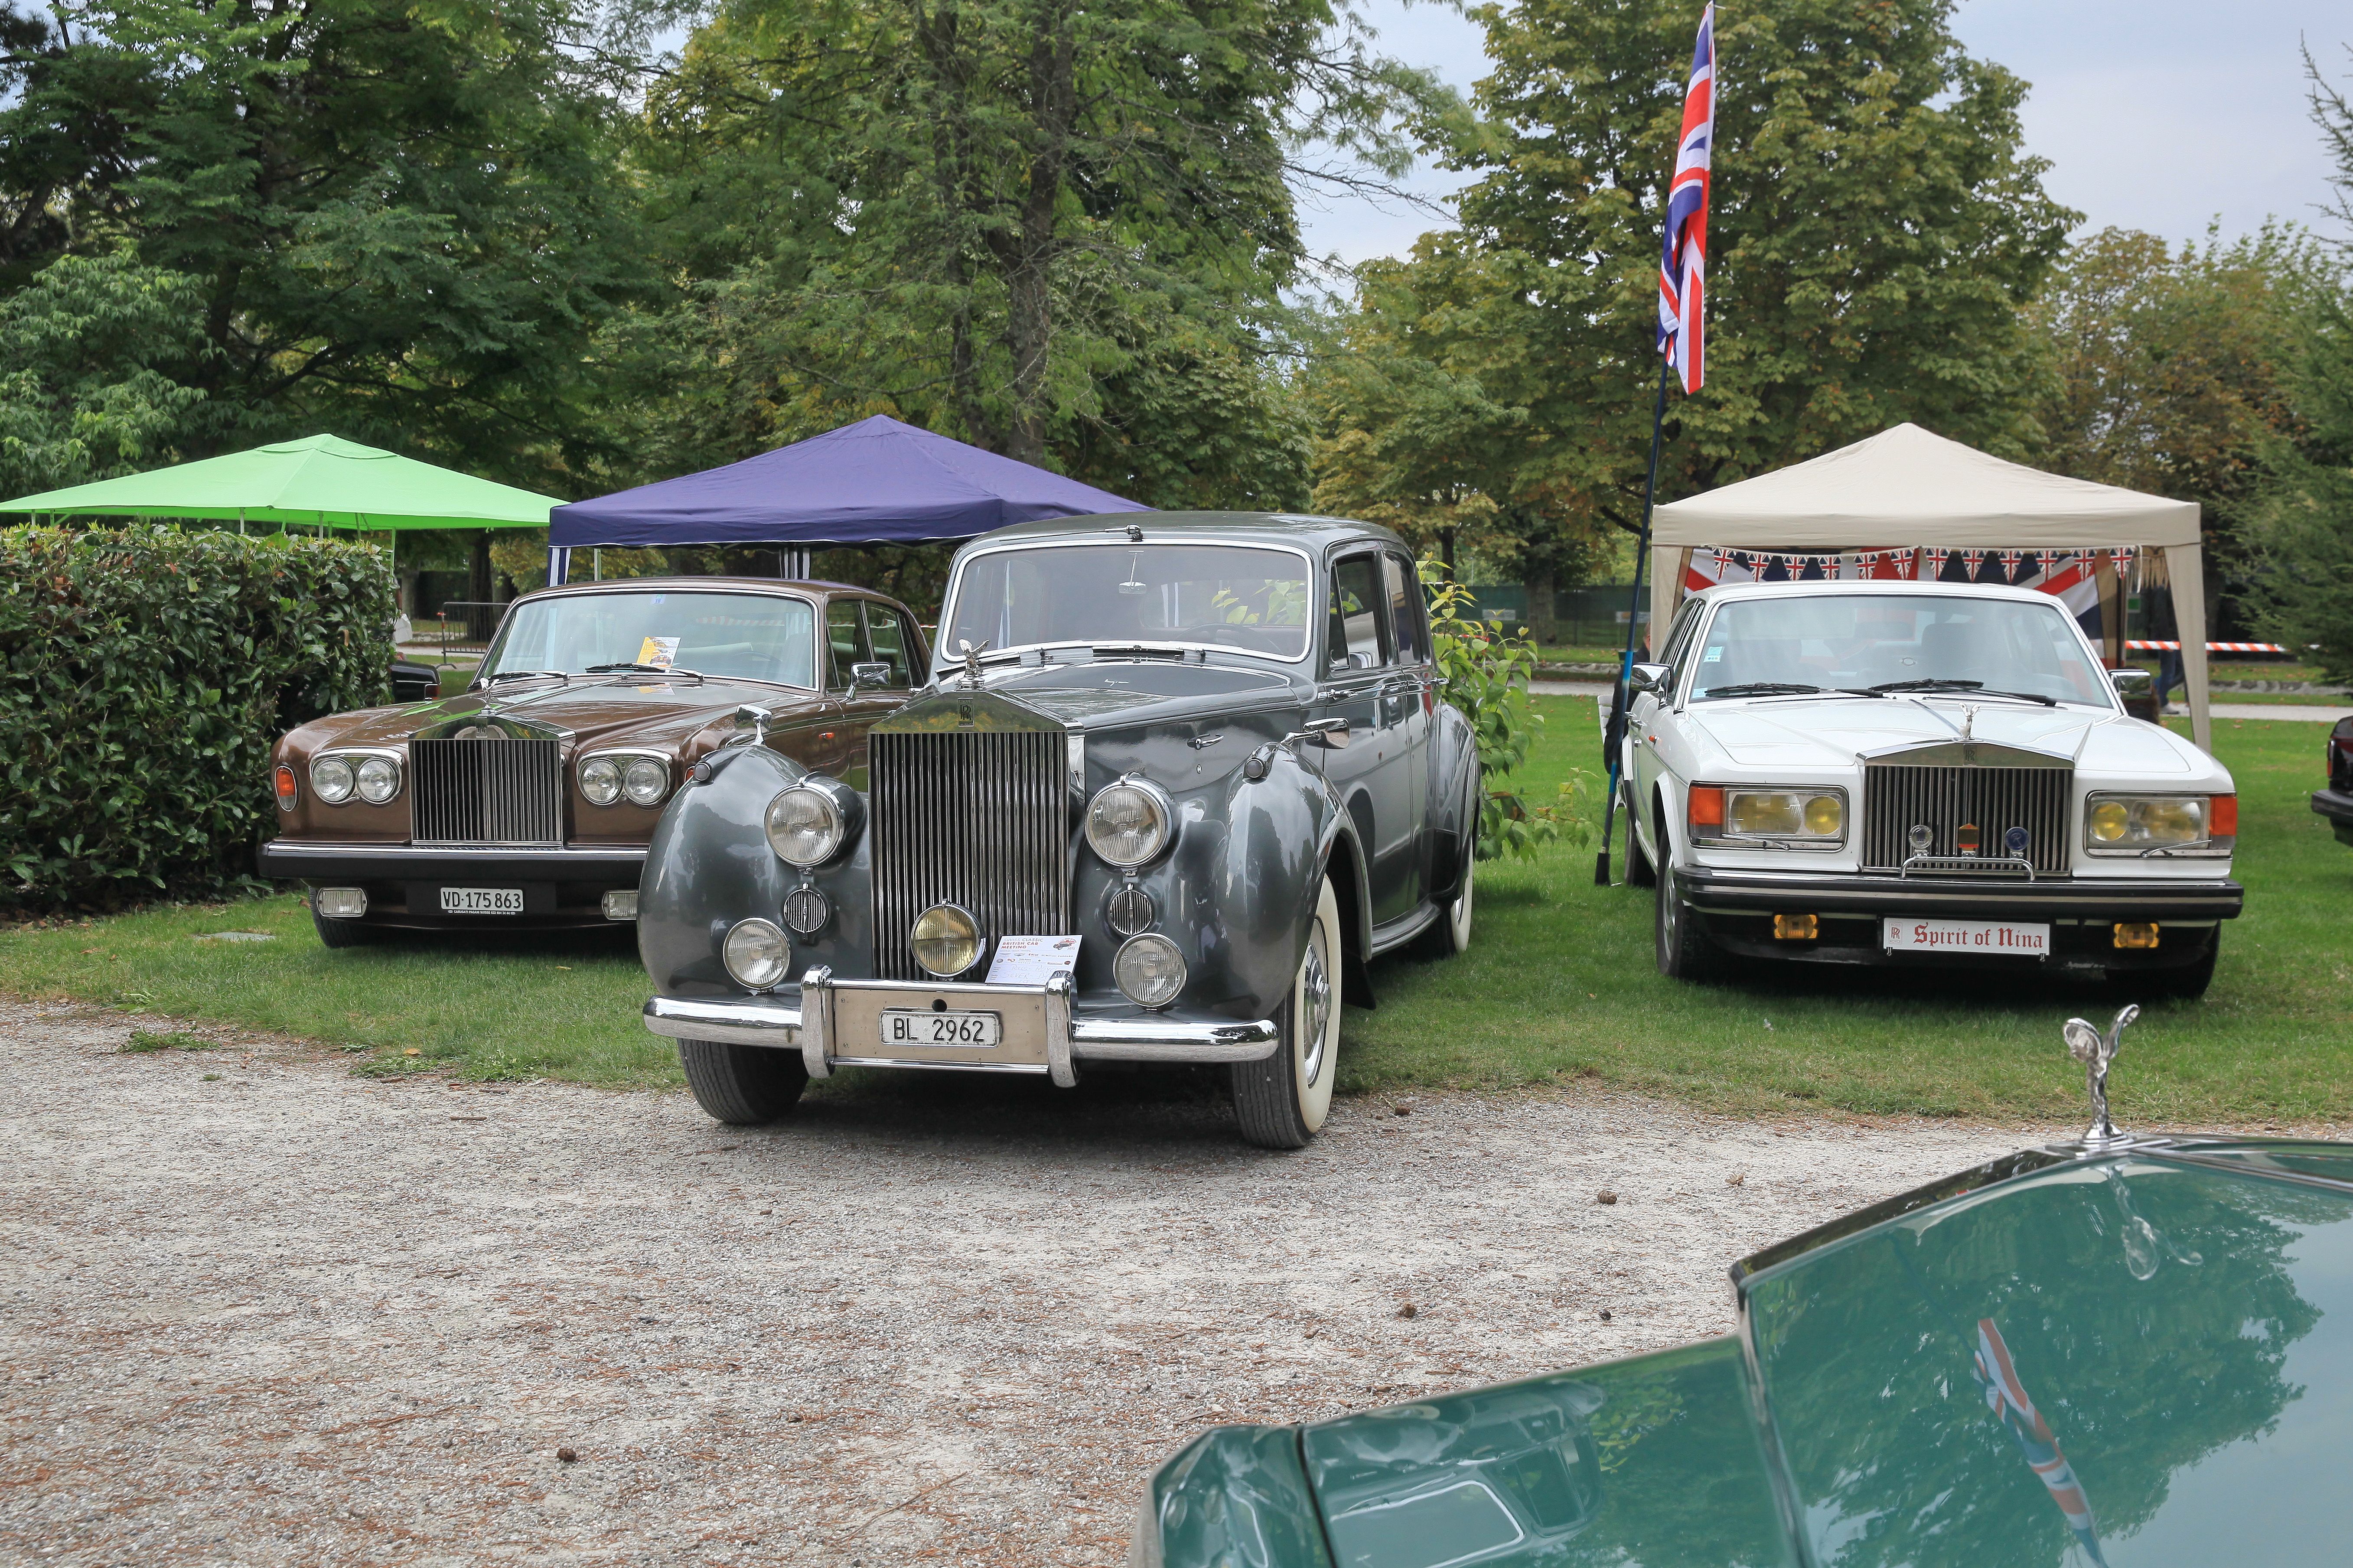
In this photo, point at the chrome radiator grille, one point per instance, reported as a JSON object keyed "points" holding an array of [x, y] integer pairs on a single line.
{"points": [[976, 819], [486, 792], [1995, 800]]}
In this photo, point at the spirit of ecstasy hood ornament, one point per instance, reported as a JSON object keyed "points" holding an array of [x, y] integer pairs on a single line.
{"points": [[2096, 1051], [971, 661]]}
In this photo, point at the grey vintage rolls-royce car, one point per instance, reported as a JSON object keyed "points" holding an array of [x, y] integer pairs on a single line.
{"points": [[1175, 778]]}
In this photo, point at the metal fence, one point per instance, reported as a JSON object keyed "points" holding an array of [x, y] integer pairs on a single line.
{"points": [[460, 626], [1592, 615]]}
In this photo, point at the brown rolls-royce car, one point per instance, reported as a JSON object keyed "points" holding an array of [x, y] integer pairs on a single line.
{"points": [[529, 800]]}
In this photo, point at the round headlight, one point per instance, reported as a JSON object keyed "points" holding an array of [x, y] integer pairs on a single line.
{"points": [[600, 781], [1127, 822], [1825, 815], [946, 941], [645, 781], [2109, 820], [379, 779], [756, 955], [331, 780], [804, 826], [1149, 969]]}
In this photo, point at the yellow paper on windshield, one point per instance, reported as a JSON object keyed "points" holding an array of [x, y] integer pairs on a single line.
{"points": [[658, 652]]}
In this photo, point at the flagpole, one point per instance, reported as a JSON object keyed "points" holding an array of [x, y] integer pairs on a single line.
{"points": [[1614, 732]]}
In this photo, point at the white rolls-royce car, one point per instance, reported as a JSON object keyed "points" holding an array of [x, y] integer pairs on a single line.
{"points": [[1917, 773]]}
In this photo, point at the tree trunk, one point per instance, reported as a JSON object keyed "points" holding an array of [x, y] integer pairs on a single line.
{"points": [[1543, 627]]}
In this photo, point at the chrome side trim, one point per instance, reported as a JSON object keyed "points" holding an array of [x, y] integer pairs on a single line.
{"points": [[1173, 1040], [817, 1021]]}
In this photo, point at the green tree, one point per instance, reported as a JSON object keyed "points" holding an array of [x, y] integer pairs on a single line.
{"points": [[96, 357], [2304, 523], [1060, 231], [1875, 228], [2171, 372], [403, 221]]}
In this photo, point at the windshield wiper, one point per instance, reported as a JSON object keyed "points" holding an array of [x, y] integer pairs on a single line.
{"points": [[524, 675], [1765, 688], [640, 669], [1974, 688]]}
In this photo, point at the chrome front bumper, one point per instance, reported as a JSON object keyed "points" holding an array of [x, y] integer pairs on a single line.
{"points": [[835, 1023]]}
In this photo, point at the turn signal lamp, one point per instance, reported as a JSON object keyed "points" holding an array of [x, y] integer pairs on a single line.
{"points": [[284, 778], [1706, 806]]}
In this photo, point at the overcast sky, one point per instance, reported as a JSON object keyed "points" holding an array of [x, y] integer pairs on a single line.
{"points": [[2161, 114]]}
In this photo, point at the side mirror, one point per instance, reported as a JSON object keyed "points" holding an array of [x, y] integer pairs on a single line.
{"points": [[875, 674], [1652, 679], [1331, 733], [758, 719]]}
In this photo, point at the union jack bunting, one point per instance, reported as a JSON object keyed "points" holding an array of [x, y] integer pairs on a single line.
{"points": [[2006, 1397], [1683, 262]]}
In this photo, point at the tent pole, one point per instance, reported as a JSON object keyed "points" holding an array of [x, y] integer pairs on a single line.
{"points": [[596, 565], [1614, 732], [2185, 564]]}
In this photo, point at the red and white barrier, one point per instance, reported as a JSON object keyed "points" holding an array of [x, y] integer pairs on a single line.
{"points": [[2211, 647]]}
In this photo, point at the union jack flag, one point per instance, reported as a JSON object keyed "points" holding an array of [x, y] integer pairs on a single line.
{"points": [[1683, 262], [2006, 1397]]}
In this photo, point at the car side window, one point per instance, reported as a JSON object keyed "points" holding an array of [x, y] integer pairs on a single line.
{"points": [[1355, 637], [886, 633], [845, 631], [1679, 637], [1407, 618]]}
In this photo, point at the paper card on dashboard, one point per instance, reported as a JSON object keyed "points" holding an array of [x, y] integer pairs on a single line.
{"points": [[1032, 960]]}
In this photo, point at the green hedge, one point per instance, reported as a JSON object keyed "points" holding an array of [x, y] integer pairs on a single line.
{"points": [[144, 674]]}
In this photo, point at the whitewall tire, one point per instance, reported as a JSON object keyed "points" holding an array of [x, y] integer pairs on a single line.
{"points": [[1281, 1099]]}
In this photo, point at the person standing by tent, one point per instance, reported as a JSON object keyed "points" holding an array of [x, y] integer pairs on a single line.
{"points": [[2163, 627]]}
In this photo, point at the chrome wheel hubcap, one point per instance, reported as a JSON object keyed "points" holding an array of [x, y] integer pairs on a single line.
{"points": [[1316, 1011]]}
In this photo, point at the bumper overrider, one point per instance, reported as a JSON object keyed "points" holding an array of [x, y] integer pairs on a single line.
{"points": [[839, 1022]]}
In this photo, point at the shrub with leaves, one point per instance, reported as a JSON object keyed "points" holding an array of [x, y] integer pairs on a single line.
{"points": [[1485, 674], [144, 675]]}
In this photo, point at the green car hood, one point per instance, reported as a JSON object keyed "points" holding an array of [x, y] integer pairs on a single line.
{"points": [[2135, 1358]]}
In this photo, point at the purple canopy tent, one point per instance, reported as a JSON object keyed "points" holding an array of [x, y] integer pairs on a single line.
{"points": [[874, 483]]}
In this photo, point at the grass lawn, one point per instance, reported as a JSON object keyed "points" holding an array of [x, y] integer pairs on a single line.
{"points": [[1559, 984]]}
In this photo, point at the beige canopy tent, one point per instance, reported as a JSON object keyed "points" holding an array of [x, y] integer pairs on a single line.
{"points": [[1906, 489]]}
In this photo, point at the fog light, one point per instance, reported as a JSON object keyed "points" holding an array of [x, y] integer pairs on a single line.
{"points": [[946, 941], [340, 903], [1795, 928], [2136, 934], [1149, 970], [806, 911], [756, 954], [621, 904]]}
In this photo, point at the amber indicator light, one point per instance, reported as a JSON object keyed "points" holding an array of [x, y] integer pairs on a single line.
{"points": [[2222, 821], [1967, 837], [1706, 809], [1795, 928], [2136, 934], [285, 788]]}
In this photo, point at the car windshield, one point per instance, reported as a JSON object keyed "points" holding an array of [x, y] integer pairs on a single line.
{"points": [[748, 637], [1247, 599], [1957, 642]]}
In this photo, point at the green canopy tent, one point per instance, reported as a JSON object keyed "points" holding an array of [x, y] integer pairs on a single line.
{"points": [[321, 481]]}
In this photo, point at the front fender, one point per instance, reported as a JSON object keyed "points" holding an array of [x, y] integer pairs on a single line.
{"points": [[1454, 802], [1281, 830], [709, 865]]}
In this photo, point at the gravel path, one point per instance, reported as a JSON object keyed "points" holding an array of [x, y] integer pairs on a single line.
{"points": [[287, 1315]]}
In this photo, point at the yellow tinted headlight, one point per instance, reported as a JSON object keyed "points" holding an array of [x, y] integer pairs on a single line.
{"points": [[2171, 821], [1825, 817], [2109, 820], [1762, 814]]}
